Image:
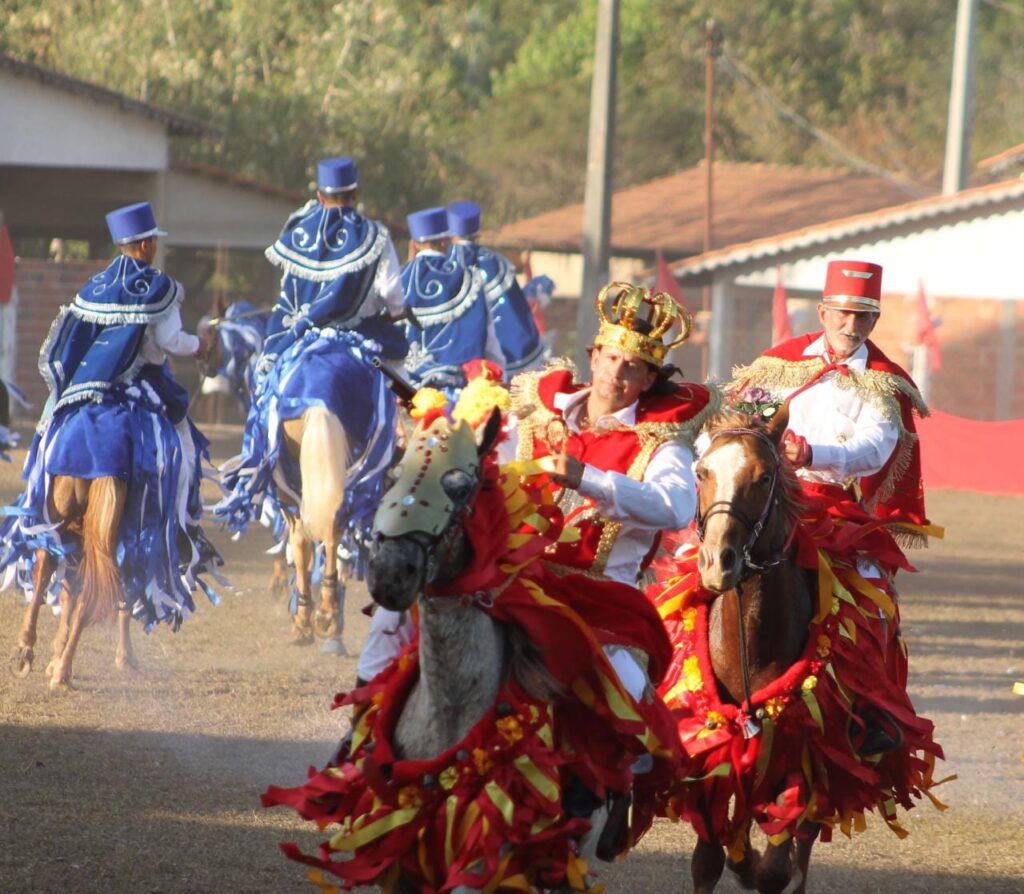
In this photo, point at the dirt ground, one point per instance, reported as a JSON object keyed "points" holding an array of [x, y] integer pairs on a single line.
{"points": [[149, 782]]}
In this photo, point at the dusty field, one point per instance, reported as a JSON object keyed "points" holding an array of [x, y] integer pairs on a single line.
{"points": [[150, 782]]}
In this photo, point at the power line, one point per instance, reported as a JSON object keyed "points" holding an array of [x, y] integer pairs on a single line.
{"points": [[738, 70]]}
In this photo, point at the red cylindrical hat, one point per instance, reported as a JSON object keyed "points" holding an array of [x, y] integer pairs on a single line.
{"points": [[854, 285]]}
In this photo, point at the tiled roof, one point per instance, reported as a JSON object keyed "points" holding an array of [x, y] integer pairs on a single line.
{"points": [[178, 125], [750, 201], [1004, 160], [795, 242]]}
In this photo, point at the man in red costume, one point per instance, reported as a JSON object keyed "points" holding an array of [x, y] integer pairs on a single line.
{"points": [[618, 450], [851, 431]]}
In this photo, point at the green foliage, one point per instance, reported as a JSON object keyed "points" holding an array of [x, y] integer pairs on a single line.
{"points": [[439, 99]]}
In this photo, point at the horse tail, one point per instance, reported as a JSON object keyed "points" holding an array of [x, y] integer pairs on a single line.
{"points": [[323, 465], [102, 592]]}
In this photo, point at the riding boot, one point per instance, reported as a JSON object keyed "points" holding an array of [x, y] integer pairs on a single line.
{"points": [[881, 732], [615, 836]]}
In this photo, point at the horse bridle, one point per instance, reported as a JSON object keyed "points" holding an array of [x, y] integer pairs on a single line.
{"points": [[722, 507], [756, 528]]}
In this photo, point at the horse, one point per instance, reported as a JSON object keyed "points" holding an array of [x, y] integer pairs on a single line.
{"points": [[318, 439], [757, 626], [429, 723], [88, 511]]}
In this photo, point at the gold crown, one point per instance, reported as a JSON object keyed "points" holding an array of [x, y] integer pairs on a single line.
{"points": [[619, 329]]}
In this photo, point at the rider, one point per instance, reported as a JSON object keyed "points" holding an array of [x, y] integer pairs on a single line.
{"points": [[105, 362], [851, 432], [514, 322], [340, 293], [620, 449], [453, 320]]}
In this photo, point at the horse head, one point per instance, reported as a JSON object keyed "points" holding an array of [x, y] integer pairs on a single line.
{"points": [[746, 499], [419, 538]]}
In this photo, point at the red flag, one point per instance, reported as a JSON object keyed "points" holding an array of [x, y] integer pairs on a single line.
{"points": [[6, 265], [527, 269], [781, 330], [926, 334], [668, 284]]}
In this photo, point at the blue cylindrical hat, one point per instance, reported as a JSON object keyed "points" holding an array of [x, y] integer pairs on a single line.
{"points": [[464, 219], [431, 223], [336, 175], [132, 223]]}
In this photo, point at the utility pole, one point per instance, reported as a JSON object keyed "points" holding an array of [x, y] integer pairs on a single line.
{"points": [[958, 128], [597, 198], [712, 48]]}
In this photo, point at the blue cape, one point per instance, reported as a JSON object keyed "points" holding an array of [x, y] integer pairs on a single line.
{"points": [[514, 324], [94, 342], [447, 299], [330, 258]]}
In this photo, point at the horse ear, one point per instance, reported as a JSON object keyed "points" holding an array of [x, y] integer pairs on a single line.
{"points": [[778, 423], [491, 430]]}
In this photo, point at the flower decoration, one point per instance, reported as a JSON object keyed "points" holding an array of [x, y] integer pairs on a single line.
{"points": [[756, 402], [482, 760], [449, 778], [690, 619], [809, 683], [774, 707], [824, 645], [511, 729], [409, 796], [692, 675]]}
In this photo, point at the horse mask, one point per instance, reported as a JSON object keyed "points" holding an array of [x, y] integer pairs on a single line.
{"points": [[417, 527]]}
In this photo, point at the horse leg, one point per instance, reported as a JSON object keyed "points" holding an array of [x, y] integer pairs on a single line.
{"points": [[745, 866], [60, 640], [279, 577], [101, 593], [775, 868], [23, 654], [706, 866], [124, 659], [802, 860], [329, 621], [302, 552]]}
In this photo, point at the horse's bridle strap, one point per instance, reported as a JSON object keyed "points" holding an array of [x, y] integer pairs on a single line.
{"points": [[482, 599]]}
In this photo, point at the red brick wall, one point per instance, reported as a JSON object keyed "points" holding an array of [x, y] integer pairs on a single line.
{"points": [[43, 286]]}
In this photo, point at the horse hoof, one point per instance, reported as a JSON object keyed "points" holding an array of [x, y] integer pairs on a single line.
{"points": [[279, 589], [127, 665], [334, 646], [302, 636], [325, 625], [21, 661], [60, 686]]}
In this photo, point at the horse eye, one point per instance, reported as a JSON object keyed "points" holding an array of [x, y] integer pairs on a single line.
{"points": [[765, 479], [701, 474], [457, 484]]}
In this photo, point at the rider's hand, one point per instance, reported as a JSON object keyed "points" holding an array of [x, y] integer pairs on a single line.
{"points": [[204, 346], [567, 471], [796, 449]]}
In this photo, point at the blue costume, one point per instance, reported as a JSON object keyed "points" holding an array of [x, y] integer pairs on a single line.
{"points": [[454, 322], [115, 411], [240, 336], [521, 344], [339, 290]]}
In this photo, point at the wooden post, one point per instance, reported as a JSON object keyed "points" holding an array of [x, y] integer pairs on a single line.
{"points": [[712, 42], [597, 199]]}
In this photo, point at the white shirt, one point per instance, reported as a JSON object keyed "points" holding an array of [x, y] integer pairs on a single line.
{"points": [[664, 500], [167, 337], [848, 437], [387, 286]]}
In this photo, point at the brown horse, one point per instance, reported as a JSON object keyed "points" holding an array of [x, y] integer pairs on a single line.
{"points": [[89, 512], [757, 627]]}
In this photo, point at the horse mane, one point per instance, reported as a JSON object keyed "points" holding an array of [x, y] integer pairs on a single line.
{"points": [[790, 494]]}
